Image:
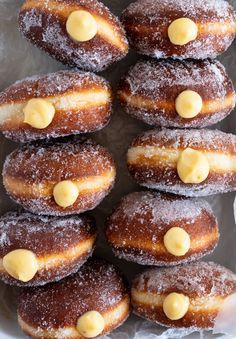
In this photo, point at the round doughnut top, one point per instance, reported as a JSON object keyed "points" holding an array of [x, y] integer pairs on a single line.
{"points": [[43, 235], [204, 139], [155, 10], [97, 286], [164, 80], [51, 161], [50, 85], [154, 209], [199, 279]]}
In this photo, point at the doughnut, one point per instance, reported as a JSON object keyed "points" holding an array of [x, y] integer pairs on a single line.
{"points": [[172, 93], [188, 296], [152, 228], [186, 162], [55, 105], [36, 250], [196, 29], [59, 178], [91, 303], [78, 33]]}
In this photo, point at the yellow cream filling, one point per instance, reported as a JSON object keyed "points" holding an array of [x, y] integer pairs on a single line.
{"points": [[196, 304], [209, 107], [54, 260], [105, 28], [112, 318], [62, 103], [197, 243], [163, 157], [85, 185]]}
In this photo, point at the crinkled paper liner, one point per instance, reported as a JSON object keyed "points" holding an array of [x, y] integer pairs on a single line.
{"points": [[19, 59]]}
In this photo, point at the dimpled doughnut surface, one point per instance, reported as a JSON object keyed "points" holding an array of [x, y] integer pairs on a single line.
{"points": [[147, 23], [150, 89], [44, 24], [31, 173], [61, 245], [206, 284], [52, 311], [82, 103], [154, 155], [137, 227]]}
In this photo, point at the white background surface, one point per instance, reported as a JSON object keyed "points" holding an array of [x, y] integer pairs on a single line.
{"points": [[19, 59]]}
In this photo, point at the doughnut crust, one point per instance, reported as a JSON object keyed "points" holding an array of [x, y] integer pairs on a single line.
{"points": [[150, 89], [52, 311], [147, 22], [61, 245], [82, 103], [31, 172], [153, 157], [138, 225], [43, 23], [205, 283]]}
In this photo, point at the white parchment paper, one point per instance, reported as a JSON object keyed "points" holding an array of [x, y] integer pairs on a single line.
{"points": [[19, 59]]}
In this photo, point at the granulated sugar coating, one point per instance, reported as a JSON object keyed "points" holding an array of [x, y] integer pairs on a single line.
{"points": [[65, 90], [97, 286], [160, 82], [137, 227], [205, 283], [147, 23], [217, 8], [42, 234], [201, 279], [61, 246], [208, 140], [51, 84], [146, 153], [166, 208], [20, 59], [44, 24], [39, 166]]}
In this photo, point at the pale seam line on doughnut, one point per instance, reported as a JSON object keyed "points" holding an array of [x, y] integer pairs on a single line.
{"points": [[105, 29], [222, 28], [211, 106], [54, 260], [65, 102], [198, 304], [85, 185], [196, 244], [112, 319], [147, 155]]}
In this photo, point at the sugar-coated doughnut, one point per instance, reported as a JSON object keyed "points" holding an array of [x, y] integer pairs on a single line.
{"points": [[36, 250], [186, 162], [79, 33], [54, 105], [92, 302], [59, 178], [184, 296], [152, 228], [180, 29], [174, 93]]}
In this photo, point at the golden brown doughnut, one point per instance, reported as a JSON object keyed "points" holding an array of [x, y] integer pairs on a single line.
{"points": [[59, 178], [203, 30], [154, 158], [152, 228], [81, 103], [151, 90], [53, 311], [60, 246], [45, 24], [191, 295]]}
